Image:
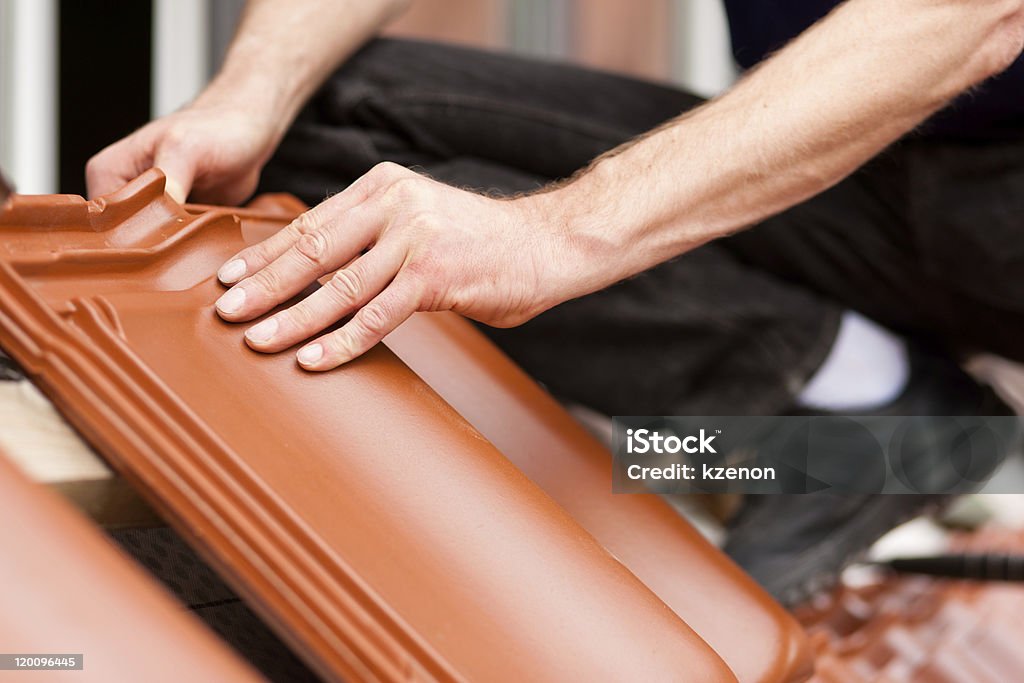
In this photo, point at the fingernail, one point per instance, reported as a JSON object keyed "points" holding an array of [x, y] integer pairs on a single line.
{"points": [[310, 354], [232, 301], [232, 271], [263, 332]]}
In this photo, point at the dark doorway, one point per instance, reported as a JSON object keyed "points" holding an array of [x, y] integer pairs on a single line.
{"points": [[105, 73]]}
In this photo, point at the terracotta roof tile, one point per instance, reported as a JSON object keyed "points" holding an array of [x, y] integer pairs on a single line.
{"points": [[65, 589], [379, 532]]}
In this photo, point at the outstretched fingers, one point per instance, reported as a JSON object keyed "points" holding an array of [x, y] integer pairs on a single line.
{"points": [[332, 244], [253, 259], [346, 291], [374, 321]]}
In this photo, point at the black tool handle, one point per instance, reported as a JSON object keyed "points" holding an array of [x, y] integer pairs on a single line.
{"points": [[978, 566]]}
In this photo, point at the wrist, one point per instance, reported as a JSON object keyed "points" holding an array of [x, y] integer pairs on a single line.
{"points": [[270, 105], [584, 247], [614, 221]]}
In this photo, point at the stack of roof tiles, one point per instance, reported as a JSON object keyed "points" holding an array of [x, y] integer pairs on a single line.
{"points": [[924, 630]]}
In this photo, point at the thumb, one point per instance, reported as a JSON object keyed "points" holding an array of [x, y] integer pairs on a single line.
{"points": [[111, 168], [179, 172]]}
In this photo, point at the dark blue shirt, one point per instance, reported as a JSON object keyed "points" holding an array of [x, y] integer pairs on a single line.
{"points": [[993, 110]]}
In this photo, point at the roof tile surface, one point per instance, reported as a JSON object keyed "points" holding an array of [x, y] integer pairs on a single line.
{"points": [[376, 529]]}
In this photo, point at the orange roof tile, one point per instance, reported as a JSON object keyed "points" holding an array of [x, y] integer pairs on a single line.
{"points": [[374, 526]]}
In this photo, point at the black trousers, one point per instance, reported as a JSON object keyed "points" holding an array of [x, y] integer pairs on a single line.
{"points": [[927, 239]]}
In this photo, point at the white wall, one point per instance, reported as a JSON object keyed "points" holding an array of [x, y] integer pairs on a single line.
{"points": [[702, 54], [181, 52], [28, 100]]}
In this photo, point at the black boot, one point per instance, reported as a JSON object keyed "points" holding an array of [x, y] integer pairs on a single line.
{"points": [[797, 545]]}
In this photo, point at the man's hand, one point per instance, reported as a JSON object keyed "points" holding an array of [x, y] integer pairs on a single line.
{"points": [[212, 152], [428, 247], [215, 149]]}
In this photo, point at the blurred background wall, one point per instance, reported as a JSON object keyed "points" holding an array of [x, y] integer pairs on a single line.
{"points": [[76, 75]]}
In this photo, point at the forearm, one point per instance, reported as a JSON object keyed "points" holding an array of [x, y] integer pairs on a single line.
{"points": [[284, 49], [401, 242], [798, 124]]}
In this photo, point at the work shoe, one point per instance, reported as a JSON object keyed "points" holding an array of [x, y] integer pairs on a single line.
{"points": [[796, 545]]}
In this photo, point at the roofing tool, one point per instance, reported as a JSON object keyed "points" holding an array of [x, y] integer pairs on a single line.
{"points": [[6, 187], [975, 566]]}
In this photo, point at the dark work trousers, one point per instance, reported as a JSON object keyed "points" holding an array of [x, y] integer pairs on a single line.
{"points": [[927, 239]]}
